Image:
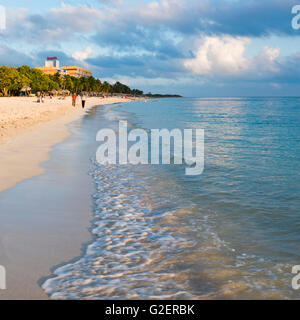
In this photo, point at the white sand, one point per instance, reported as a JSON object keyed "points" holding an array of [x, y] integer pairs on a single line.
{"points": [[18, 113], [29, 129]]}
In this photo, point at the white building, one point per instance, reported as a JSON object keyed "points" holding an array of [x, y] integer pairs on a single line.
{"points": [[52, 62]]}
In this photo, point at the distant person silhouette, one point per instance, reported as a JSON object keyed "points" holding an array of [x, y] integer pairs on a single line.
{"points": [[74, 96], [83, 100]]}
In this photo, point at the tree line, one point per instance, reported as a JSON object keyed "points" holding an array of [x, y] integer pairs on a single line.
{"points": [[13, 79]]}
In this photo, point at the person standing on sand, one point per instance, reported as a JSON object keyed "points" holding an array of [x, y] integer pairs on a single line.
{"points": [[43, 97], [83, 100], [74, 96]]}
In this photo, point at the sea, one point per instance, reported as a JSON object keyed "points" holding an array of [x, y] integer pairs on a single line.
{"points": [[232, 232]]}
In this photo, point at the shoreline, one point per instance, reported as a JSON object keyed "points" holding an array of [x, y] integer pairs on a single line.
{"points": [[45, 206]]}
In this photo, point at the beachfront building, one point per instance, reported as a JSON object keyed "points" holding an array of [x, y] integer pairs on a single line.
{"points": [[77, 72], [52, 62], [52, 66], [49, 70]]}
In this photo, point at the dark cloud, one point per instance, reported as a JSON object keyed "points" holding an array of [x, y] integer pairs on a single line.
{"points": [[143, 66], [109, 62], [63, 58], [289, 71], [239, 17], [13, 58], [139, 24], [252, 17]]}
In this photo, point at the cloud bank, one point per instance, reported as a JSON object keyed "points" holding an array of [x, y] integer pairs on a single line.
{"points": [[198, 41]]}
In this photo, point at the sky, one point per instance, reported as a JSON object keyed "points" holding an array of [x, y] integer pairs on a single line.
{"points": [[191, 47]]}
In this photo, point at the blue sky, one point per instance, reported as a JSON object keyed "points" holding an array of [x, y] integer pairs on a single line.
{"points": [[190, 47]]}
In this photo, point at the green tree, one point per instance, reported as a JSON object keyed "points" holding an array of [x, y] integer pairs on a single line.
{"points": [[107, 88], [9, 80]]}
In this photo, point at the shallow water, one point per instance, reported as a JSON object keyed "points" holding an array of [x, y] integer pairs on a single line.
{"points": [[232, 232]]}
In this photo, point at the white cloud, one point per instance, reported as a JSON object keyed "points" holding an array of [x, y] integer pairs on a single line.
{"points": [[268, 59], [164, 10], [225, 56], [83, 55], [81, 18], [219, 55]]}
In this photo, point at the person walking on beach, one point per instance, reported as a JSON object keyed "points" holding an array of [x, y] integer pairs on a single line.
{"points": [[38, 95], [83, 100], [74, 96]]}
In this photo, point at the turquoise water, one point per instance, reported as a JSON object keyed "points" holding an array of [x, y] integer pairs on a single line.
{"points": [[232, 232]]}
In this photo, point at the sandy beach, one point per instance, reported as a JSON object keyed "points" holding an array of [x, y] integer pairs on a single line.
{"points": [[44, 220], [29, 129]]}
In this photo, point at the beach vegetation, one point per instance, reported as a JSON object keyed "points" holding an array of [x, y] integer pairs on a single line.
{"points": [[13, 79]]}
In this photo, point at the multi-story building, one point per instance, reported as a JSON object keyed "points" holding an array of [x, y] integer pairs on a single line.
{"points": [[49, 70], [77, 72], [51, 67], [52, 62]]}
